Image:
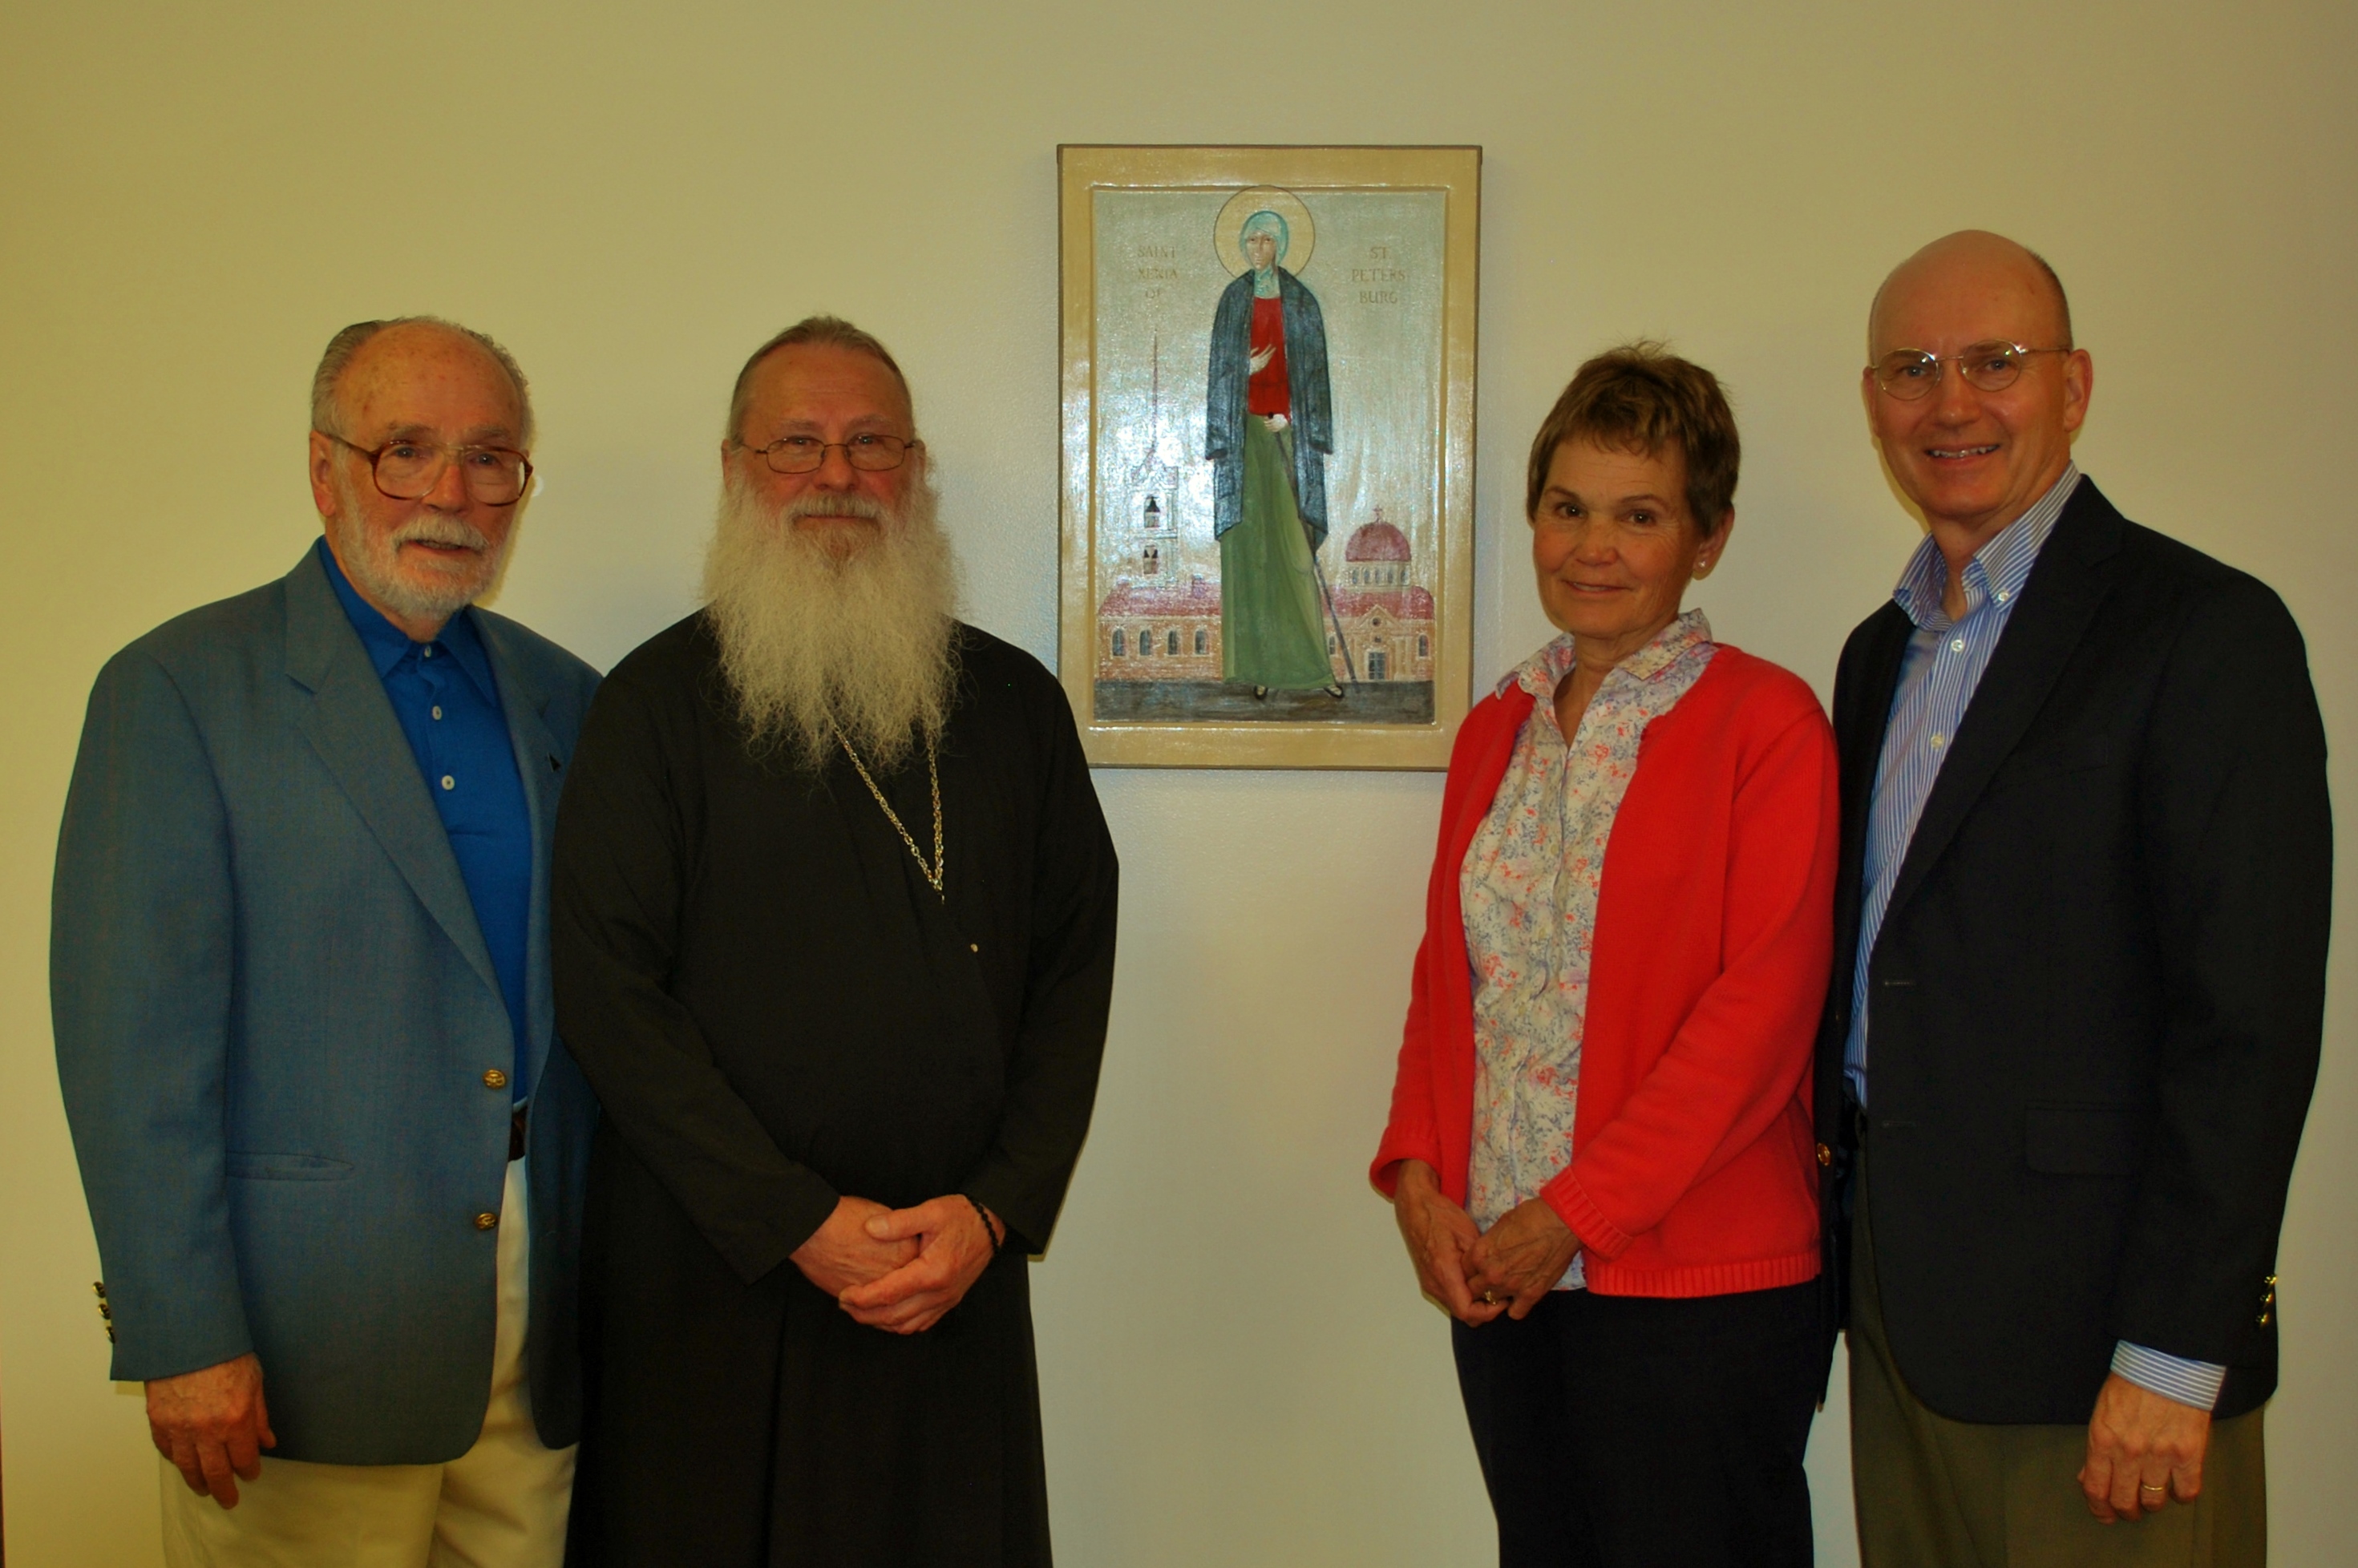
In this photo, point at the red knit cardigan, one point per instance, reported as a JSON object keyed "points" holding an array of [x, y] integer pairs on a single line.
{"points": [[1693, 1170]]}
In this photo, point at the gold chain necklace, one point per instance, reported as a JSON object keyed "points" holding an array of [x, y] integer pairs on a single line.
{"points": [[933, 773]]}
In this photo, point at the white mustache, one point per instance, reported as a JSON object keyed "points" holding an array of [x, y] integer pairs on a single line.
{"points": [[847, 504], [429, 529]]}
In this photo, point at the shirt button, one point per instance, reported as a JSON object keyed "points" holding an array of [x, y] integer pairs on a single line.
{"points": [[486, 1221], [449, 782], [1956, 647], [494, 1079], [2004, 595], [437, 710], [1937, 740]]}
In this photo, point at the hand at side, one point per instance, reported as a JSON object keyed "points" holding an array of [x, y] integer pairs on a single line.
{"points": [[1438, 1234], [2143, 1450], [841, 1253], [1521, 1257], [954, 1250], [213, 1423]]}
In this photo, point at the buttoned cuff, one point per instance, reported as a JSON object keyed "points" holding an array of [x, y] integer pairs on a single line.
{"points": [[2193, 1383]]}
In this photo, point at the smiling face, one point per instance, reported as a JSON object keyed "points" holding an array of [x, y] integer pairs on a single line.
{"points": [[1613, 545], [420, 561], [831, 395], [1975, 460]]}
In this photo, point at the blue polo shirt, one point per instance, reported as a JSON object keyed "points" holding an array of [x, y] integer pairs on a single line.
{"points": [[448, 704]]}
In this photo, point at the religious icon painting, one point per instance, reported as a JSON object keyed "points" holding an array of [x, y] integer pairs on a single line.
{"points": [[1268, 453]]}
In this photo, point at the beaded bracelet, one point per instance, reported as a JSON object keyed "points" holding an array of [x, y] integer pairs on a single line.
{"points": [[997, 1240]]}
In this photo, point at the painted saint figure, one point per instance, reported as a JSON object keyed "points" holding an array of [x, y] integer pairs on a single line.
{"points": [[1269, 425]]}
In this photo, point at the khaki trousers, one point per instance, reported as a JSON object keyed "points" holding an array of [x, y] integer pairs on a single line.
{"points": [[502, 1503], [1936, 1493]]}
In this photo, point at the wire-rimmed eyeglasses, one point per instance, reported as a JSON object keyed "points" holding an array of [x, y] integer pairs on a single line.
{"points": [[869, 451], [408, 471], [1911, 373]]}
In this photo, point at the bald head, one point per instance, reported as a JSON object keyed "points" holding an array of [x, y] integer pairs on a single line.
{"points": [[1984, 273], [371, 345]]}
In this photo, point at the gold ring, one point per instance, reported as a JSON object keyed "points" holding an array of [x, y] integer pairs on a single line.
{"points": [[2151, 1487], [1490, 1300]]}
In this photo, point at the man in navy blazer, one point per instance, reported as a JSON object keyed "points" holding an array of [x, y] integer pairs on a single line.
{"points": [[2079, 974], [333, 1151]]}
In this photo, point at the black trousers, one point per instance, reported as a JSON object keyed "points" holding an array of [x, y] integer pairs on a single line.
{"points": [[1622, 1429]]}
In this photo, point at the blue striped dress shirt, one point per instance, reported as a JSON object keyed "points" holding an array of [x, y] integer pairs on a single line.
{"points": [[1938, 676]]}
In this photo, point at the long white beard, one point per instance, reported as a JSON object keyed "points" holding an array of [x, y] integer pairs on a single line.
{"points": [[422, 588], [811, 644]]}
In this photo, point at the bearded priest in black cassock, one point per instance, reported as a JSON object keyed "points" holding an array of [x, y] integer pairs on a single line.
{"points": [[833, 939]]}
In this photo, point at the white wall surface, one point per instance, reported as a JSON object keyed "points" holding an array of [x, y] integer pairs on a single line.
{"points": [[1236, 1366]]}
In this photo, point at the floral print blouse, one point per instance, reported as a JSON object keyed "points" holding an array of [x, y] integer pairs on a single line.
{"points": [[1528, 885]]}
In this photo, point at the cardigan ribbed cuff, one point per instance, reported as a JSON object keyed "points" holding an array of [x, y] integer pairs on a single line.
{"points": [[1573, 1206]]}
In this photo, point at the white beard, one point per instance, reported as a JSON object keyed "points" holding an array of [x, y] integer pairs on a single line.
{"points": [[811, 644], [423, 588]]}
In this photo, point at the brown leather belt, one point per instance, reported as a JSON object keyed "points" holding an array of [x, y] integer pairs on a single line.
{"points": [[515, 1134]]}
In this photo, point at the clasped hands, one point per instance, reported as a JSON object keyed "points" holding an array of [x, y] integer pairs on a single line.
{"points": [[1473, 1274], [901, 1269]]}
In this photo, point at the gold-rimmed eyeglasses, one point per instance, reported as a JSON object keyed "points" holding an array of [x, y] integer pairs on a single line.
{"points": [[408, 471], [869, 451], [1911, 373]]}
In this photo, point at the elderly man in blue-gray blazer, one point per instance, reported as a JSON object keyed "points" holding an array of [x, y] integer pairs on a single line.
{"points": [[300, 970]]}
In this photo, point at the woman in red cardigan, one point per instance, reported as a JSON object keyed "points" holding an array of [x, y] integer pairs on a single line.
{"points": [[1600, 1151]]}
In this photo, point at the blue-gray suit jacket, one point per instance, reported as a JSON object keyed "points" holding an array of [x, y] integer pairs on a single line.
{"points": [[274, 1013]]}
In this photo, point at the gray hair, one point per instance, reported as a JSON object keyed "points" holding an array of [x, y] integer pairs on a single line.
{"points": [[344, 345], [825, 331]]}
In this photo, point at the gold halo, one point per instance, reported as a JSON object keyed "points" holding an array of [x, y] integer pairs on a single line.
{"points": [[1300, 232]]}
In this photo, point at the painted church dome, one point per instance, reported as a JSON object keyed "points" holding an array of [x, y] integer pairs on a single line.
{"points": [[1376, 541]]}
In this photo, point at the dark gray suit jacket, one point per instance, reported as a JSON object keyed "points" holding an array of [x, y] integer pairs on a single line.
{"points": [[274, 1011], [2096, 1000]]}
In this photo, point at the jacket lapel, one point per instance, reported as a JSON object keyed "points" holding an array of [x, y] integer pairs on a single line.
{"points": [[2058, 601], [350, 724], [540, 764]]}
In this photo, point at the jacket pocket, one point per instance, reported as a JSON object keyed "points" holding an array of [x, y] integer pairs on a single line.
{"points": [[2083, 1140], [286, 1167]]}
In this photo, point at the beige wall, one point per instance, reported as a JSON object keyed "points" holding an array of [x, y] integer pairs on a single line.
{"points": [[1236, 1366]]}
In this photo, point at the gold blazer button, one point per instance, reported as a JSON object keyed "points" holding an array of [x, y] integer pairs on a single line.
{"points": [[1825, 1155], [494, 1079], [485, 1221]]}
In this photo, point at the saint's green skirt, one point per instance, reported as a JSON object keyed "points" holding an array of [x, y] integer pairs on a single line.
{"points": [[1269, 631]]}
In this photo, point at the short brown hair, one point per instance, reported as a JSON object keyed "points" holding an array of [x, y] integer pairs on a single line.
{"points": [[1641, 397], [827, 332]]}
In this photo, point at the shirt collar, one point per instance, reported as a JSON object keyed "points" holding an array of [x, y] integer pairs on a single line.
{"points": [[388, 644], [1544, 671], [1998, 568]]}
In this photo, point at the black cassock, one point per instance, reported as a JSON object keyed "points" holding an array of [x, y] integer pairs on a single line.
{"points": [[776, 1008]]}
